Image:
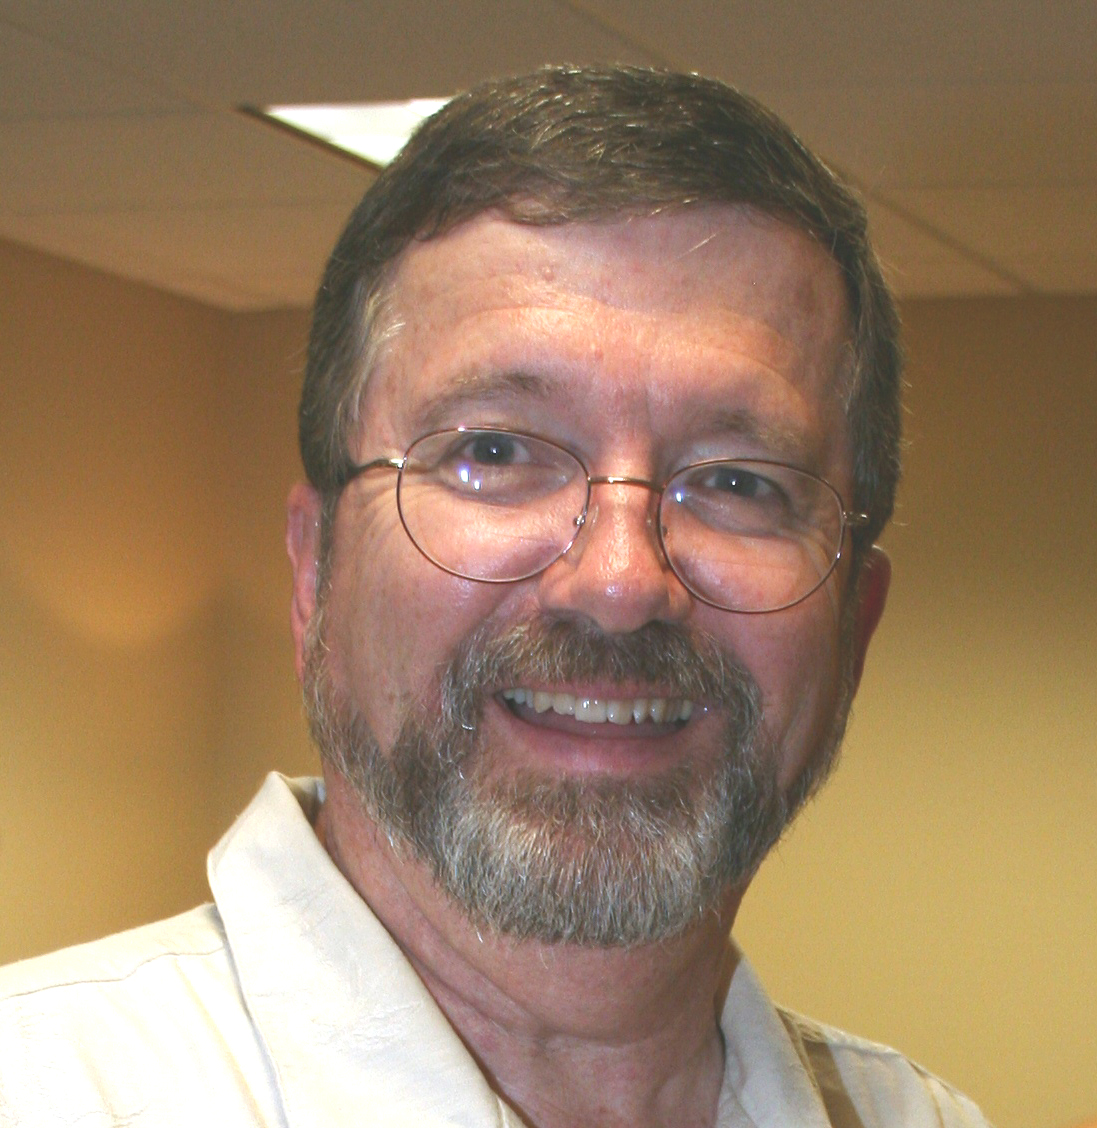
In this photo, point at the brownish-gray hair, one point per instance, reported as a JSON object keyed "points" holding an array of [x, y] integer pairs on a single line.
{"points": [[567, 144]]}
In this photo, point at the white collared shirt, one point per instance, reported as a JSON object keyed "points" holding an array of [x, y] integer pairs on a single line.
{"points": [[286, 1003]]}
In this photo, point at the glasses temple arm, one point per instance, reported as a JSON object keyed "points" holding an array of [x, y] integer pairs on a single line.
{"points": [[357, 468]]}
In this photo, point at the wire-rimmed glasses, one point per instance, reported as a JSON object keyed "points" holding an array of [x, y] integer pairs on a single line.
{"points": [[746, 535]]}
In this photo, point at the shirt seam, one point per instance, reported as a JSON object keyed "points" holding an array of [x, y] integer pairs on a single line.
{"points": [[105, 979]]}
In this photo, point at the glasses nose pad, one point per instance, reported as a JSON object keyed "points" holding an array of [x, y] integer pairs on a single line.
{"points": [[581, 521], [652, 519], [578, 524]]}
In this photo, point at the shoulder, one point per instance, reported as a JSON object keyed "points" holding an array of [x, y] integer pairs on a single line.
{"points": [[865, 1083], [95, 1033], [110, 966]]}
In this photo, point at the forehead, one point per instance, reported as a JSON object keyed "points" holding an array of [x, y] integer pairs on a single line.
{"points": [[714, 305]]}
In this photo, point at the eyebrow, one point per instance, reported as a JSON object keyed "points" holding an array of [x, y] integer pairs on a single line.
{"points": [[476, 388], [776, 439]]}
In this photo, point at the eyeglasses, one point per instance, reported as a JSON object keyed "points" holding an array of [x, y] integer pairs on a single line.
{"points": [[746, 535]]}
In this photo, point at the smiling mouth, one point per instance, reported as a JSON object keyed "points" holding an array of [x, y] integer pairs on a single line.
{"points": [[601, 710]]}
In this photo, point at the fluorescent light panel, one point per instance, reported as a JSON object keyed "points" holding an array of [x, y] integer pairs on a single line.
{"points": [[375, 131]]}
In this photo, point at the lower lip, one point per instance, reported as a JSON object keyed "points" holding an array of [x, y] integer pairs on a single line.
{"points": [[560, 741]]}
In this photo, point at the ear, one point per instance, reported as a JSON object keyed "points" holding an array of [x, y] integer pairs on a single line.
{"points": [[303, 546], [873, 582]]}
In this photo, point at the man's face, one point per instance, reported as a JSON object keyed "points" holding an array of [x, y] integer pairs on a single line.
{"points": [[642, 346]]}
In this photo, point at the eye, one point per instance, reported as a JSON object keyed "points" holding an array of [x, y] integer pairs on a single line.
{"points": [[494, 466], [735, 498], [738, 481], [491, 448]]}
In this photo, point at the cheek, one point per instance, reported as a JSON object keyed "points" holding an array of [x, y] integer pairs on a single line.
{"points": [[813, 699], [394, 621], [795, 656]]}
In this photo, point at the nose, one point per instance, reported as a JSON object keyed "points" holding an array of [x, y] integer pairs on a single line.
{"points": [[616, 574]]}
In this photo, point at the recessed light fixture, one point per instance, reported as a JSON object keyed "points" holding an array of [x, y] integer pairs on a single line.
{"points": [[372, 131]]}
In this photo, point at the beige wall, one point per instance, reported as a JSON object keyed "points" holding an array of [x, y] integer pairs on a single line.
{"points": [[146, 680], [942, 894]]}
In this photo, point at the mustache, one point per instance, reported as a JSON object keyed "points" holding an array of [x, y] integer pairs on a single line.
{"points": [[680, 662], [594, 861]]}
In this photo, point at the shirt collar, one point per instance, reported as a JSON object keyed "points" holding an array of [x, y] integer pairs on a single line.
{"points": [[763, 1073], [351, 1032]]}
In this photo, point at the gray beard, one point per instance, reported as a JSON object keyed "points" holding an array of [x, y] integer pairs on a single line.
{"points": [[593, 861]]}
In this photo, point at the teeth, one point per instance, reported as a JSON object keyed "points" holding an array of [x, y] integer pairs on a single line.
{"points": [[594, 710], [618, 712], [590, 709]]}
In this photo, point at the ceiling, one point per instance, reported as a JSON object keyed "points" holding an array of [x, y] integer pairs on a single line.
{"points": [[970, 125]]}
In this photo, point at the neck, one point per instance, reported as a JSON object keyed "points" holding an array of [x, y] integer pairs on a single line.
{"points": [[566, 1034]]}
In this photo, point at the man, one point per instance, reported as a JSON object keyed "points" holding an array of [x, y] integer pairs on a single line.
{"points": [[600, 424]]}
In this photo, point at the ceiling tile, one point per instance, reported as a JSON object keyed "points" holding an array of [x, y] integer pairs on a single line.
{"points": [[802, 43], [284, 51], [1014, 226], [39, 80], [947, 136], [121, 163], [237, 258], [970, 127], [917, 265], [1051, 275]]}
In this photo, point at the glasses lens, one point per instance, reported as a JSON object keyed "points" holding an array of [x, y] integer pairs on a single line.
{"points": [[750, 536], [491, 505]]}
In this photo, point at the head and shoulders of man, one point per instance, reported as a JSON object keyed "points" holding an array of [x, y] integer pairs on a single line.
{"points": [[647, 273], [600, 424]]}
